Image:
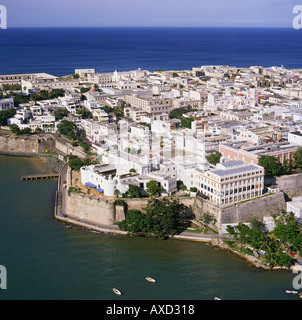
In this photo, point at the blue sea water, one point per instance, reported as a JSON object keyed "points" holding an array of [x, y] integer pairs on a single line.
{"points": [[59, 51]]}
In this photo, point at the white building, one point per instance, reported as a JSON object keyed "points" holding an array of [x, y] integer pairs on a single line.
{"points": [[295, 137], [100, 177], [295, 206], [230, 182], [6, 104], [47, 123]]}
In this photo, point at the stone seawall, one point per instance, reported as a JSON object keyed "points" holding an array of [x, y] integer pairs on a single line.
{"points": [[38, 143], [99, 211], [89, 209], [14, 145], [258, 208]]}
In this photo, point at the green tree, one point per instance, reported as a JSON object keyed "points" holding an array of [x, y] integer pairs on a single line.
{"points": [[186, 122], [68, 129], [165, 215], [15, 129], [214, 158], [134, 222], [297, 156], [182, 187], [75, 163], [86, 114], [26, 131], [133, 192], [153, 188], [5, 115], [287, 166], [60, 113], [159, 217], [271, 165]]}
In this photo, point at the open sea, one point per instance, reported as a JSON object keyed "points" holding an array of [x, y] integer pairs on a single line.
{"points": [[46, 259], [59, 51]]}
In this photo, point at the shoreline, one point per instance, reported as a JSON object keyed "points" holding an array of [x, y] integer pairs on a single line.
{"points": [[52, 163], [212, 240]]}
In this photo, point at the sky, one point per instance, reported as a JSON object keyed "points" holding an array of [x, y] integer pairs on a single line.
{"points": [[150, 13]]}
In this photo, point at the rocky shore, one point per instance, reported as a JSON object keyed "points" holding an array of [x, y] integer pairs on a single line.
{"points": [[253, 261], [54, 164]]}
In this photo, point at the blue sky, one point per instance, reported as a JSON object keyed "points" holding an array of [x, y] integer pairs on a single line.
{"points": [[218, 13]]}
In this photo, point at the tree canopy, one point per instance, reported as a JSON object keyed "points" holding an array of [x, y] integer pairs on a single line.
{"points": [[277, 244], [68, 129], [5, 115], [214, 158], [153, 188], [298, 158], [60, 113], [271, 165], [159, 217]]}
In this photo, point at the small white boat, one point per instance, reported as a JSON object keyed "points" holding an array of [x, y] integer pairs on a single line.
{"points": [[150, 279], [216, 298], [290, 291], [116, 291]]}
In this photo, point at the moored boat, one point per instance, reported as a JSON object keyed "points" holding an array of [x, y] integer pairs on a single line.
{"points": [[116, 291], [291, 291], [150, 279]]}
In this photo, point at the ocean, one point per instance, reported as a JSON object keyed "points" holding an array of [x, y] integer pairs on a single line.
{"points": [[59, 51], [46, 259]]}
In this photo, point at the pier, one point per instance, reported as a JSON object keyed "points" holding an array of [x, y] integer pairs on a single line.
{"points": [[40, 177]]}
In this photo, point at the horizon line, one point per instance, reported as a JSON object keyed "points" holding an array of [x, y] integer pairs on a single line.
{"points": [[226, 27]]}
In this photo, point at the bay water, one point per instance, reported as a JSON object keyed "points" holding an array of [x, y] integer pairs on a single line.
{"points": [[48, 260]]}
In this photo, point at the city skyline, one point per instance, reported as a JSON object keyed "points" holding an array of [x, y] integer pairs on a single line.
{"points": [[152, 13]]}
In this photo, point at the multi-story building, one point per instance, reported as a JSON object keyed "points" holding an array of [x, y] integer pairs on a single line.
{"points": [[47, 83], [149, 104], [251, 153], [230, 182], [6, 104]]}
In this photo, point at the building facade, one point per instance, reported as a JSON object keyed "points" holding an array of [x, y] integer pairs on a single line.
{"points": [[230, 182]]}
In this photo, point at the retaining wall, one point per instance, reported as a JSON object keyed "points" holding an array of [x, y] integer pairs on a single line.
{"points": [[90, 209], [291, 185], [14, 145]]}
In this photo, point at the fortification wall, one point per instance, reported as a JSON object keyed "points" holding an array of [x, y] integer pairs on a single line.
{"points": [[258, 208], [140, 203], [66, 148], [242, 212], [34, 144], [14, 145], [291, 185], [96, 211], [91, 210]]}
